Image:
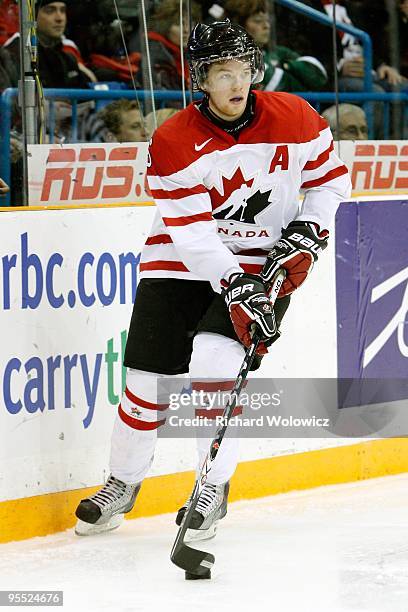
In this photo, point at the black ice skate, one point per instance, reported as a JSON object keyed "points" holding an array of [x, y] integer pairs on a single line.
{"points": [[105, 510], [211, 507]]}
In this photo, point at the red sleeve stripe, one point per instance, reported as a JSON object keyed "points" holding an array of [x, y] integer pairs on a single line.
{"points": [[320, 160], [215, 412], [158, 239], [161, 264], [179, 221], [136, 423], [177, 194], [142, 403], [329, 176]]}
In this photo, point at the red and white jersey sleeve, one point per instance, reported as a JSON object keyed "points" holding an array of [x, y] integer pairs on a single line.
{"points": [[325, 178], [184, 220]]}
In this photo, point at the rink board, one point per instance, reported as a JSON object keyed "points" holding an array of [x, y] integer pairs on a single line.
{"points": [[105, 173], [68, 280], [45, 514]]}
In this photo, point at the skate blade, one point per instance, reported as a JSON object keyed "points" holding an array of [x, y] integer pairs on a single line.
{"points": [[86, 529], [197, 535]]}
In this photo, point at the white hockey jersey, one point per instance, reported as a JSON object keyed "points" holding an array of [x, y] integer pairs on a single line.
{"points": [[222, 202]]}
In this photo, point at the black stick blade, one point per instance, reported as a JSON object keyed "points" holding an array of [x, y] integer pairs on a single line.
{"points": [[192, 560]]}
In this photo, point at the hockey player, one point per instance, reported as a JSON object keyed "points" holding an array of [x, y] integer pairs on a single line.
{"points": [[202, 255]]}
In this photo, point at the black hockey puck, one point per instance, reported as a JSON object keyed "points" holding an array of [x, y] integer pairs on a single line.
{"points": [[204, 576]]}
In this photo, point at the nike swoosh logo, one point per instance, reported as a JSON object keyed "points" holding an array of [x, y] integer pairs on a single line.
{"points": [[201, 146]]}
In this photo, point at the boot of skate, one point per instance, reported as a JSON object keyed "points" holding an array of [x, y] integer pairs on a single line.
{"points": [[211, 508], [105, 510]]}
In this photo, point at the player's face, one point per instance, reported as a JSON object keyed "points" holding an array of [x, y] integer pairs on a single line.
{"points": [[52, 20], [227, 85]]}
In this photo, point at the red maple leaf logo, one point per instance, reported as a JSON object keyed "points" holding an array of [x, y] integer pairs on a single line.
{"points": [[229, 186]]}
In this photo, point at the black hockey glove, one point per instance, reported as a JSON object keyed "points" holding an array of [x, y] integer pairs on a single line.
{"points": [[296, 251], [250, 308]]}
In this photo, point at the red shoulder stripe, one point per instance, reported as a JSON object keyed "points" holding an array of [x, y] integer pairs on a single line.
{"points": [[177, 221], [329, 176], [320, 160], [177, 194]]}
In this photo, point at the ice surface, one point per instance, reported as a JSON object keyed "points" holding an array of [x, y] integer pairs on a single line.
{"points": [[332, 549]]}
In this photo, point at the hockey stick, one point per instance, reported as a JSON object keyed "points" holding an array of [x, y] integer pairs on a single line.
{"points": [[195, 562]]}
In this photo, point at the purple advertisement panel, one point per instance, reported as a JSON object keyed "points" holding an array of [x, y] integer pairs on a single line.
{"points": [[372, 298]]}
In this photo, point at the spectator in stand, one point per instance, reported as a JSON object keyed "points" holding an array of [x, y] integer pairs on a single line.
{"points": [[372, 17], [305, 36], [285, 70], [119, 121], [57, 64], [315, 39], [96, 28], [9, 26], [164, 44], [368, 15], [57, 68], [352, 122]]}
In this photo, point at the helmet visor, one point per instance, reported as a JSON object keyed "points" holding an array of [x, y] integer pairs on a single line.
{"points": [[224, 73]]}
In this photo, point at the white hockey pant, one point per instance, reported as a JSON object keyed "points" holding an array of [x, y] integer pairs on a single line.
{"points": [[140, 413]]}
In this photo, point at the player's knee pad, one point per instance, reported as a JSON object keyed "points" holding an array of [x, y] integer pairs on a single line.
{"points": [[215, 356], [214, 366]]}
